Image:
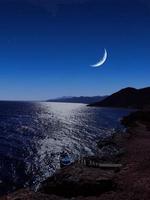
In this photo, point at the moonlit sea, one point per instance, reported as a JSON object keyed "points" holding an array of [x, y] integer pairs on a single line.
{"points": [[33, 134]]}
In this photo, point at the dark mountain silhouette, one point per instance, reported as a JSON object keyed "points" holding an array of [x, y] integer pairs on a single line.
{"points": [[81, 99], [127, 98]]}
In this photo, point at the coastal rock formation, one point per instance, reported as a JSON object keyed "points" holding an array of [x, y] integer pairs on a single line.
{"points": [[127, 98], [26, 194], [77, 180], [112, 147], [139, 116]]}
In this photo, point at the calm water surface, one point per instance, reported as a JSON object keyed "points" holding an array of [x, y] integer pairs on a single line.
{"points": [[32, 135]]}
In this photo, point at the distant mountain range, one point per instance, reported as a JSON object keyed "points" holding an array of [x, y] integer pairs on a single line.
{"points": [[127, 98], [81, 99]]}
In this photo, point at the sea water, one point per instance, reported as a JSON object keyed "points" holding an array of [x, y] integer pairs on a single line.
{"points": [[33, 134]]}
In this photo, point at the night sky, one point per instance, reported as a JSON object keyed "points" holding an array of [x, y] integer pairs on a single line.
{"points": [[47, 47]]}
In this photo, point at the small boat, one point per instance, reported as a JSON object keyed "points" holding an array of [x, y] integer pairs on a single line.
{"points": [[64, 159]]}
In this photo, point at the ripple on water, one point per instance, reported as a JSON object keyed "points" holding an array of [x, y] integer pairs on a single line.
{"points": [[33, 135]]}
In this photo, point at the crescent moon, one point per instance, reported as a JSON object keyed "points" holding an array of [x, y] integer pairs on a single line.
{"points": [[102, 61]]}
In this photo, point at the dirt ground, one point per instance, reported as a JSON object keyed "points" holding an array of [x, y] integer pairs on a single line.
{"points": [[134, 179]]}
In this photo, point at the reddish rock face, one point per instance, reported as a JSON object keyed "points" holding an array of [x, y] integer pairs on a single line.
{"points": [[26, 194], [78, 180]]}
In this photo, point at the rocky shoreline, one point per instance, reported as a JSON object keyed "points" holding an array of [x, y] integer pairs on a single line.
{"points": [[82, 182]]}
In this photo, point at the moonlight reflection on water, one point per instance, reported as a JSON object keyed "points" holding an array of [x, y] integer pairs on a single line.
{"points": [[33, 135]]}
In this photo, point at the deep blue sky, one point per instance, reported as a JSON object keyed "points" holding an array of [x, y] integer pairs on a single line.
{"points": [[47, 47]]}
